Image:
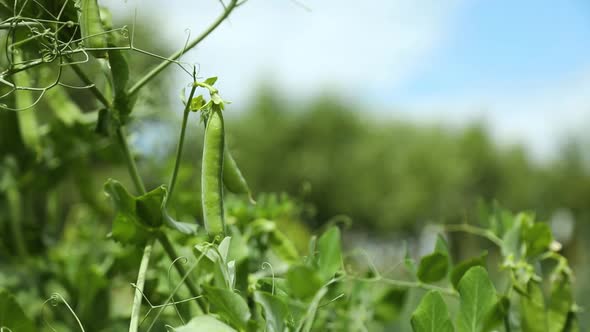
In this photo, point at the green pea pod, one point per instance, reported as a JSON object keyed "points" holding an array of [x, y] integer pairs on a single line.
{"points": [[27, 118], [233, 179], [211, 174], [91, 28]]}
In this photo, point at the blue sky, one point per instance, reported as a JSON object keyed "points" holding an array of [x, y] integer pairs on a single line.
{"points": [[521, 67], [504, 45]]}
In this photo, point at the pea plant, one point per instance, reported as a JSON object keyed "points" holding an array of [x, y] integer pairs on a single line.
{"points": [[236, 269]]}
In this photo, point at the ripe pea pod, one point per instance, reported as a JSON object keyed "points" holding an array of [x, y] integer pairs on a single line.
{"points": [[212, 172], [233, 179], [91, 28]]}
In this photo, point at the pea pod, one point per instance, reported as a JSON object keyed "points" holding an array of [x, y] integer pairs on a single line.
{"points": [[211, 174], [91, 28], [233, 179]]}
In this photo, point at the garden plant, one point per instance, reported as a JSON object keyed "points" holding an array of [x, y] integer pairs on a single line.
{"points": [[207, 254]]}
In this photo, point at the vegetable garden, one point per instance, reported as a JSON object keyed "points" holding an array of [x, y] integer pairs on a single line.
{"points": [[212, 254]]}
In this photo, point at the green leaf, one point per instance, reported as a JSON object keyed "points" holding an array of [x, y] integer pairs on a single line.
{"points": [[126, 226], [433, 267], [211, 80], [149, 207], [12, 315], [197, 103], [275, 310], [459, 270], [303, 281], [497, 314], [560, 304], [329, 253], [478, 298], [228, 305], [532, 309], [205, 323], [537, 238], [432, 315]]}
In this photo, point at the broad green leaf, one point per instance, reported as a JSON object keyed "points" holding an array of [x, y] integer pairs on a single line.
{"points": [[149, 207], [205, 323], [126, 226], [478, 298], [460, 269], [329, 253], [432, 315], [560, 304], [537, 238], [303, 281], [11, 314], [228, 305], [275, 310], [532, 309], [433, 267], [211, 80]]}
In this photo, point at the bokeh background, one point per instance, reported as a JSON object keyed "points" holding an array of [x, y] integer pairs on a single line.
{"points": [[390, 117], [399, 115]]}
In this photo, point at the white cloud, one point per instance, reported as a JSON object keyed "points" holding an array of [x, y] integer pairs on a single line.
{"points": [[348, 46]]}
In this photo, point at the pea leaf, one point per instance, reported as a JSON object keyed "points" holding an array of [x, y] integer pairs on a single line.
{"points": [[205, 323], [275, 310], [148, 207], [435, 266], [390, 303], [211, 80], [459, 270], [12, 315], [126, 225], [560, 304], [303, 281], [228, 305], [329, 253], [478, 298], [432, 315], [537, 238], [532, 309]]}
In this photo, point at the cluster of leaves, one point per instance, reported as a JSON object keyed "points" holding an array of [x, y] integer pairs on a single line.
{"points": [[537, 281]]}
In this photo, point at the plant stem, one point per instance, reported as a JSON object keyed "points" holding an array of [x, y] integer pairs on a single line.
{"points": [[180, 142], [180, 269], [147, 250], [144, 80], [122, 141], [16, 221], [138, 296], [466, 228], [412, 284], [89, 83]]}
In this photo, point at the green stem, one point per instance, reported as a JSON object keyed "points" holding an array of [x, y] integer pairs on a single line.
{"points": [[466, 228], [122, 141], [16, 221], [180, 269], [147, 250], [138, 296], [92, 86], [411, 284], [144, 80], [180, 142]]}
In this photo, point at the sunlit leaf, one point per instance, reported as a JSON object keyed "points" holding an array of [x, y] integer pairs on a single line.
{"points": [[478, 298], [432, 315]]}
